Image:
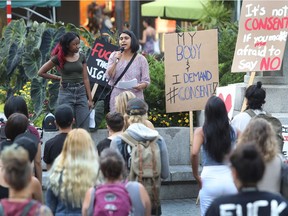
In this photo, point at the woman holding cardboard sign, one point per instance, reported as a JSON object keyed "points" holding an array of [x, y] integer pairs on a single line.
{"points": [[126, 69]]}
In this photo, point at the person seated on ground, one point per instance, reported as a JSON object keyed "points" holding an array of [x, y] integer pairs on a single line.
{"points": [[115, 123], [121, 101], [137, 131], [16, 125], [17, 174], [73, 172], [17, 104], [112, 166], [261, 132], [53, 147], [248, 166]]}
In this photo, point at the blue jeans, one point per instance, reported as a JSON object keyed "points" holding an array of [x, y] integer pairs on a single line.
{"points": [[75, 96]]}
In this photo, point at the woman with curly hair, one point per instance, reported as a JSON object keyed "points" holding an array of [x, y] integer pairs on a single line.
{"points": [[215, 140], [73, 172], [261, 132]]}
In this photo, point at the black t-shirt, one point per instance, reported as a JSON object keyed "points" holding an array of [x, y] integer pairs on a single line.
{"points": [[105, 143], [53, 148], [259, 202]]}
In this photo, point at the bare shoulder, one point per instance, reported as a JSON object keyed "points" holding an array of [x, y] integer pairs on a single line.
{"points": [[199, 131]]}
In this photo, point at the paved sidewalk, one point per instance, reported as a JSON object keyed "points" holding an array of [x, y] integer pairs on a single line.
{"points": [[180, 207]]}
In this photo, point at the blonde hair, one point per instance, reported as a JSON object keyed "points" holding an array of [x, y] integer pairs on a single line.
{"points": [[261, 132], [17, 166], [121, 104], [137, 119], [78, 164]]}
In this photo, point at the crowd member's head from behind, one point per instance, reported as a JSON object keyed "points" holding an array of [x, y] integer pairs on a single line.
{"points": [[121, 101], [261, 132], [111, 164], [115, 121], [137, 111], [216, 129], [15, 104], [247, 165], [147, 22], [64, 116], [78, 158], [16, 124], [29, 142], [255, 96], [17, 167]]}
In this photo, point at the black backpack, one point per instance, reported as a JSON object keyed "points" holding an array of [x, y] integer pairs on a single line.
{"points": [[276, 124]]}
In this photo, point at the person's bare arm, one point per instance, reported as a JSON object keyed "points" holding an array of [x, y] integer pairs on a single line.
{"points": [[36, 189], [144, 37], [37, 164], [197, 142], [145, 200], [43, 71], [86, 202], [87, 85]]}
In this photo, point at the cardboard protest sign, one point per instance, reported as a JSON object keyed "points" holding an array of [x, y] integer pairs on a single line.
{"points": [[227, 94], [98, 61], [262, 36], [191, 69]]}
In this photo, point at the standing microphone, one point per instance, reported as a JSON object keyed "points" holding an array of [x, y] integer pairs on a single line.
{"points": [[121, 51]]}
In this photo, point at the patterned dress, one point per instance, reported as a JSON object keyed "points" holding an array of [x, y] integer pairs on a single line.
{"points": [[139, 69]]}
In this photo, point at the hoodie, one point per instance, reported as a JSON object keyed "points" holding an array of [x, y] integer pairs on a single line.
{"points": [[142, 133]]}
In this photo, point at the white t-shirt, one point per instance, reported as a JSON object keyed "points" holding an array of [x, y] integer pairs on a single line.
{"points": [[241, 120]]}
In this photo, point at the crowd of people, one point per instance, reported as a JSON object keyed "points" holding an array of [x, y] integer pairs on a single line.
{"points": [[241, 160], [241, 170]]}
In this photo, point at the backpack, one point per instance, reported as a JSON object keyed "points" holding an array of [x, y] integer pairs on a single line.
{"points": [[112, 199], [27, 210], [275, 122], [284, 177], [48, 123], [145, 166]]}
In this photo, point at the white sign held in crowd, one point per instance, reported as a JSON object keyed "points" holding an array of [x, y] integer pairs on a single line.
{"points": [[227, 94], [261, 40]]}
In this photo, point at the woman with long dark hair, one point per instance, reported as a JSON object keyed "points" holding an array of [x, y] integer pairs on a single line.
{"points": [[215, 140], [139, 68], [74, 83]]}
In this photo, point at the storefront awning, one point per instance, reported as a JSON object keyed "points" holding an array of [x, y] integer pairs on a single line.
{"points": [[174, 9], [31, 5]]}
